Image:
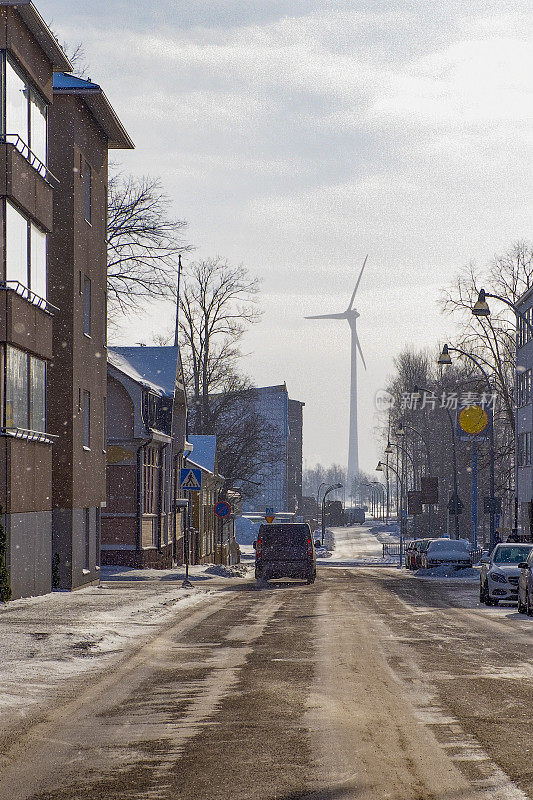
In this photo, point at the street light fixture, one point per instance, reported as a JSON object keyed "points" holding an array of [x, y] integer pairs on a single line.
{"points": [[388, 450], [444, 358], [379, 467], [330, 489], [481, 307]]}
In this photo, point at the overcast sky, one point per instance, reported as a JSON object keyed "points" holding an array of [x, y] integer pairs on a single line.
{"points": [[298, 136]]}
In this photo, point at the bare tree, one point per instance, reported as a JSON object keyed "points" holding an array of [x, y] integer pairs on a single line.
{"points": [[143, 243], [218, 301]]}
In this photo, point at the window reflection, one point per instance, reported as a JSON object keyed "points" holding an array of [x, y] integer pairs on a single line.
{"points": [[26, 114], [38, 261], [16, 246]]}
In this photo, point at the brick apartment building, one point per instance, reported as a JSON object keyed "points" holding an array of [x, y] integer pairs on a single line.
{"points": [[83, 127], [29, 55], [53, 175], [142, 523]]}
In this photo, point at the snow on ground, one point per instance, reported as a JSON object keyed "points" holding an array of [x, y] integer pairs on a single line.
{"points": [[357, 545], [46, 640], [448, 571]]}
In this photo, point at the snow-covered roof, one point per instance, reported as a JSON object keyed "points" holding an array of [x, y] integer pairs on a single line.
{"points": [[204, 451], [95, 99], [153, 367]]}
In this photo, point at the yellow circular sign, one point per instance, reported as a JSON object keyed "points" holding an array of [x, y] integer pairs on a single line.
{"points": [[473, 419]]}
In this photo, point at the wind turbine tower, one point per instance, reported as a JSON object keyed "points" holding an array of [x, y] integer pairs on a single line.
{"points": [[351, 316]]}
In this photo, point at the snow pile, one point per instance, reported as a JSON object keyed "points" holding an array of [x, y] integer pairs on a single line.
{"points": [[448, 571], [234, 571]]}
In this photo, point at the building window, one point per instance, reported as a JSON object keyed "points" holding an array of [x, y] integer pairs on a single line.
{"points": [[25, 391], [86, 305], [87, 526], [26, 115], [523, 388], [87, 180], [87, 419], [524, 449], [26, 252], [523, 333]]}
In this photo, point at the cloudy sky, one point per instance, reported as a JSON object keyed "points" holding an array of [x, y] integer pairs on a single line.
{"points": [[297, 136]]}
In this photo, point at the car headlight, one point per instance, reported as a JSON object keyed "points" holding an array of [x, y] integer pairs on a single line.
{"points": [[498, 577]]}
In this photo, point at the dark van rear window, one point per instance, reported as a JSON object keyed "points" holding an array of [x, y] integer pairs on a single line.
{"points": [[290, 535]]}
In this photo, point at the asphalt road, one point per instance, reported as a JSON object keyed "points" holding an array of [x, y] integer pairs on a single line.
{"points": [[370, 684]]}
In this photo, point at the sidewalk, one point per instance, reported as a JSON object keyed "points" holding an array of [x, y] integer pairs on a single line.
{"points": [[51, 639]]}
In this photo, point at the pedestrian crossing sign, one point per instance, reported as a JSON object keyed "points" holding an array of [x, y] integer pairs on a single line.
{"points": [[191, 479]]}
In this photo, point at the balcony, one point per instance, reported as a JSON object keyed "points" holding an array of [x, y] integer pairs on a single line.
{"points": [[25, 320], [26, 180]]}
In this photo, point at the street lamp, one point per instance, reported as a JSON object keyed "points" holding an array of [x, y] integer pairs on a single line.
{"points": [[330, 489], [472, 358], [388, 450], [379, 468], [417, 394]]}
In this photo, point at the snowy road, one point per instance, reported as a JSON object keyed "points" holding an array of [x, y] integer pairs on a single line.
{"points": [[371, 684]]}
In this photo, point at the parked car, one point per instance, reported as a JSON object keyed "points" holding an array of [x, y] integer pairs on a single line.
{"points": [[413, 552], [456, 552], [525, 585], [285, 550], [500, 573]]}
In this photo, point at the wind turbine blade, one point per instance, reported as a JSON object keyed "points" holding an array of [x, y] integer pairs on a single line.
{"points": [[328, 316], [358, 282], [360, 351]]}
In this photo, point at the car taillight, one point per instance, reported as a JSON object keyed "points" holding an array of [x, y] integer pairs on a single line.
{"points": [[310, 548], [258, 549]]}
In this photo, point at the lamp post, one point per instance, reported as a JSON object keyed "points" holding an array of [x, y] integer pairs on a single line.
{"points": [[318, 497], [428, 458], [481, 309], [446, 359], [330, 489], [379, 468], [418, 394]]}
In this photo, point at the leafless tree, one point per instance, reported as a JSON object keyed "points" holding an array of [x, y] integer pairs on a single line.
{"points": [[143, 243], [218, 301]]}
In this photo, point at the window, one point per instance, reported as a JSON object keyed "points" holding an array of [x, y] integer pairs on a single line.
{"points": [[87, 419], [17, 384], [86, 305], [25, 391], [87, 180], [26, 252], [523, 334], [523, 388], [37, 395], [524, 449], [87, 526], [26, 114]]}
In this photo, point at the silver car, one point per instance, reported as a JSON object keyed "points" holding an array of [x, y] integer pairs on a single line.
{"points": [[525, 586], [498, 579]]}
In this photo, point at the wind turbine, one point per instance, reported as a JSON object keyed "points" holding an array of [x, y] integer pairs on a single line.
{"points": [[351, 315]]}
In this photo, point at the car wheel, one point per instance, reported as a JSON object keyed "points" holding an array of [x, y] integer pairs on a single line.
{"points": [[529, 607], [311, 578]]}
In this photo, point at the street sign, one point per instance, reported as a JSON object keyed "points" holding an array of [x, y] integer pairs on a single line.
{"points": [[429, 489], [270, 515], [455, 505], [191, 479], [222, 509], [473, 422], [492, 505], [414, 502]]}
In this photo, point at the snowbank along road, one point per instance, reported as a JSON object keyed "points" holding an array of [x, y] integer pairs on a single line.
{"points": [[370, 684]]}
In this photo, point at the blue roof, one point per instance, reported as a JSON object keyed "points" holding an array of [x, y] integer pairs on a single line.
{"points": [[155, 367], [64, 81], [204, 451]]}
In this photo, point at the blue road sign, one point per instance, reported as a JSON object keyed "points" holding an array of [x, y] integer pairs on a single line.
{"points": [[191, 479], [222, 509]]}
